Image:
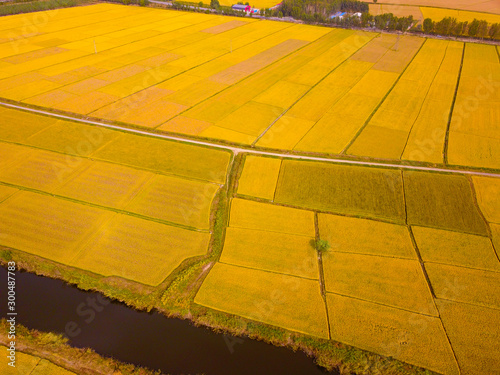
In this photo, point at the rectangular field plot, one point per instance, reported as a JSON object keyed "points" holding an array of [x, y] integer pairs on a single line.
{"points": [[268, 217], [342, 189], [474, 128], [16, 126], [442, 201], [109, 185], [71, 138], [271, 251], [473, 332], [259, 177], [362, 236], [458, 249], [167, 157], [389, 281], [53, 233], [177, 200], [42, 170], [488, 197], [413, 338], [281, 300], [477, 287], [139, 250]]}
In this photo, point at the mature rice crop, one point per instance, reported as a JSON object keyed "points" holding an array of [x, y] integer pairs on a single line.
{"points": [[259, 177], [414, 338], [285, 301], [476, 353], [342, 189]]}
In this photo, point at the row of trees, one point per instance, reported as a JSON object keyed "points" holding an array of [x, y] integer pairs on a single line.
{"points": [[300, 9], [450, 26], [314, 11]]}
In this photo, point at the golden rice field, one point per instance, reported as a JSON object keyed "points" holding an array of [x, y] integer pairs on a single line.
{"points": [[270, 84], [398, 278], [29, 364], [106, 206]]}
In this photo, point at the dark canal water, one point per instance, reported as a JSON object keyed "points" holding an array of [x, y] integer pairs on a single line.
{"points": [[173, 346]]}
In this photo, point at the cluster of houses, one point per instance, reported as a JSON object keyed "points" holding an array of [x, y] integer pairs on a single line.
{"points": [[341, 15], [248, 9]]}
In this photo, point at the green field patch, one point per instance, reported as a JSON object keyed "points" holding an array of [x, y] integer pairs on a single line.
{"points": [[354, 235], [16, 126], [442, 201], [454, 248], [410, 337], [139, 250], [389, 281], [466, 285], [268, 217], [362, 191], [271, 251], [167, 157], [473, 332], [177, 200], [285, 301]]}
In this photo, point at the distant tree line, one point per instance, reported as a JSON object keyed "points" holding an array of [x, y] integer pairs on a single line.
{"points": [[450, 26], [302, 9]]}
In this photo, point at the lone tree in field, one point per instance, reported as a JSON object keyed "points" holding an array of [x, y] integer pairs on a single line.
{"points": [[322, 245]]}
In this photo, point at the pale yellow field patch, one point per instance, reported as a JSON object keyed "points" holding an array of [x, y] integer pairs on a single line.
{"points": [[105, 184], [177, 200], [263, 216], [389, 281], [51, 98], [477, 287], [28, 90], [473, 150], [185, 125], [437, 14], [114, 251], [252, 118], [86, 103], [216, 132], [282, 94], [259, 177], [413, 338], [488, 197], [291, 302], [54, 234], [285, 133], [271, 251], [458, 249], [354, 235], [85, 86]]}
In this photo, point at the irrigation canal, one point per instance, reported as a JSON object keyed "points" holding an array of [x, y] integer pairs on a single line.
{"points": [[173, 346]]}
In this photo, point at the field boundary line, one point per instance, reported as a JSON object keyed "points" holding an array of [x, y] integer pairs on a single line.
{"points": [[268, 271], [424, 101], [452, 109], [382, 101], [313, 87], [386, 305], [249, 150], [104, 208]]}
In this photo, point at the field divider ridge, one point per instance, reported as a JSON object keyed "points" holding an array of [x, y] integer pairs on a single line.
{"points": [[250, 150]]}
